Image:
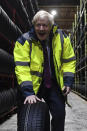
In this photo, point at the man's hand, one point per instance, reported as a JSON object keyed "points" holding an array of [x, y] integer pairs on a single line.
{"points": [[31, 99], [66, 90]]}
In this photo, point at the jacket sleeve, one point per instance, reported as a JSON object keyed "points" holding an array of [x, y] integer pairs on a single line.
{"points": [[22, 67], [68, 62]]}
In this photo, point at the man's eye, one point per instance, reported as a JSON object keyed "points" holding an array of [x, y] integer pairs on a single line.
{"points": [[38, 25], [44, 25]]}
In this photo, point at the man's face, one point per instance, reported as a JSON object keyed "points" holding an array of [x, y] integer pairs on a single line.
{"points": [[42, 28]]}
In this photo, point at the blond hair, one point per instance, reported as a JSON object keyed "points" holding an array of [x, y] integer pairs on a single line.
{"points": [[43, 14]]}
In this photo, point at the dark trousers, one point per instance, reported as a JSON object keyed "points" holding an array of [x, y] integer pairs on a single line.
{"points": [[56, 103]]}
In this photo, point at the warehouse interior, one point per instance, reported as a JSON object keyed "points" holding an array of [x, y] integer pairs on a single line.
{"points": [[16, 19]]}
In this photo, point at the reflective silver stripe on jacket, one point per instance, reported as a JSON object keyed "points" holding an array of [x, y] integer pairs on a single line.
{"points": [[68, 74], [68, 60], [36, 73], [19, 63], [26, 83]]}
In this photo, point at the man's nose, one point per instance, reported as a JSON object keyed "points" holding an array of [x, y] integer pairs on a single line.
{"points": [[41, 27]]}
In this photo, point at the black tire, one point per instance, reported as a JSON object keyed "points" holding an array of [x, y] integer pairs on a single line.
{"points": [[34, 117], [8, 99]]}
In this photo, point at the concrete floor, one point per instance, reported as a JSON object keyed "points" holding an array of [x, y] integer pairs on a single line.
{"points": [[76, 117]]}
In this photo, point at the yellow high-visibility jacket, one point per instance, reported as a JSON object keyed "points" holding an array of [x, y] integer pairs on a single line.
{"points": [[29, 60]]}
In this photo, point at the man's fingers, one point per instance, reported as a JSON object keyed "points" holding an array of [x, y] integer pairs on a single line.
{"points": [[66, 90], [31, 99], [25, 101], [38, 98]]}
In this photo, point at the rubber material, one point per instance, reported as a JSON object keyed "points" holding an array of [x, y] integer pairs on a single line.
{"points": [[8, 99], [34, 117]]}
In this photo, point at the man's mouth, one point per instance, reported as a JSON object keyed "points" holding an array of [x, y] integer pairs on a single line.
{"points": [[42, 33]]}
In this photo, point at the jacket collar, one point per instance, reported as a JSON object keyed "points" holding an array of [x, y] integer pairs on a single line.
{"points": [[32, 34]]}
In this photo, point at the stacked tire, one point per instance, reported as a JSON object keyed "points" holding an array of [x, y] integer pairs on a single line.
{"points": [[8, 99], [33, 117]]}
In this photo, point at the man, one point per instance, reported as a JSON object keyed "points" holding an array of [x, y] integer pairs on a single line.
{"points": [[45, 66]]}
